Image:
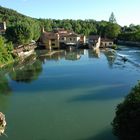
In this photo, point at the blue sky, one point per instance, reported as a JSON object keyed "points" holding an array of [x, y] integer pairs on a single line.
{"points": [[126, 11]]}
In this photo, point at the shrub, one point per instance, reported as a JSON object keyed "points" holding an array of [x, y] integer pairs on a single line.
{"points": [[115, 47], [126, 124]]}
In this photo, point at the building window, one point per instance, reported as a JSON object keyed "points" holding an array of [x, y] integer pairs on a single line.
{"points": [[70, 39], [52, 44], [110, 43], [52, 39]]}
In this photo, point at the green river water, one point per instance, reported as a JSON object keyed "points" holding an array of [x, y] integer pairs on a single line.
{"points": [[71, 95]]}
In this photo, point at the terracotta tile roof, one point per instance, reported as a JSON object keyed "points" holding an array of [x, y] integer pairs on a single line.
{"points": [[50, 35], [73, 35], [62, 30], [63, 34]]}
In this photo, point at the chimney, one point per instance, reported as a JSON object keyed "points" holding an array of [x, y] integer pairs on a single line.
{"points": [[42, 30], [4, 25]]}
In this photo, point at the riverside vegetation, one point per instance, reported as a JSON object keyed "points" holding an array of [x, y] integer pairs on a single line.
{"points": [[22, 29], [126, 122], [6, 49]]}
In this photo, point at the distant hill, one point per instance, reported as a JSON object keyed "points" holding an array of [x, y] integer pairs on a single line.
{"points": [[85, 27], [11, 16]]}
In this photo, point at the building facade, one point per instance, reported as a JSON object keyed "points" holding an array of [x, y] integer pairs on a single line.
{"points": [[59, 37], [2, 27], [49, 40], [106, 42]]}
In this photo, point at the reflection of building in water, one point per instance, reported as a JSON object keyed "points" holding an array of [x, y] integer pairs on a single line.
{"points": [[82, 51], [52, 55], [111, 56], [72, 55], [94, 53], [57, 55]]}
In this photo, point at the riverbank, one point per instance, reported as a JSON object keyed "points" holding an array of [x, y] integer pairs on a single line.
{"points": [[8, 63], [20, 53], [128, 43], [25, 55]]}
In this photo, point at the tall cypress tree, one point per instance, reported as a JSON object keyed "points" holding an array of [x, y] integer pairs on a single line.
{"points": [[112, 18]]}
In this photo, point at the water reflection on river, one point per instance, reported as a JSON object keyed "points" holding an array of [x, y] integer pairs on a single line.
{"points": [[70, 95]]}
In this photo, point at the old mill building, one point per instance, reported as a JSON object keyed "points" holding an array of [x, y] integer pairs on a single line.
{"points": [[59, 38]]}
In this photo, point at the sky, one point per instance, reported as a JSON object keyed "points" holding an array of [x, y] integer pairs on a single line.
{"points": [[126, 11]]}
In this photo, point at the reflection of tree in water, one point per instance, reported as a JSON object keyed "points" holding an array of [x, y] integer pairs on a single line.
{"points": [[4, 102], [111, 57], [27, 73], [4, 85], [5, 89]]}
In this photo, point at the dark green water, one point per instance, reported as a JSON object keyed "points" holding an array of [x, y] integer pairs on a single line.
{"points": [[67, 96]]}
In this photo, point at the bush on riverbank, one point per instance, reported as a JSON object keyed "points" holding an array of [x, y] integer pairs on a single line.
{"points": [[126, 124], [5, 51]]}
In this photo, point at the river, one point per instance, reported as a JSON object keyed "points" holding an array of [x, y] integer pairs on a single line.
{"points": [[70, 95]]}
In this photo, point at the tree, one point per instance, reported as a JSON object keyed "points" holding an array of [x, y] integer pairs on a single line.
{"points": [[36, 31], [101, 28], [112, 18], [126, 124], [5, 51], [20, 33], [112, 30]]}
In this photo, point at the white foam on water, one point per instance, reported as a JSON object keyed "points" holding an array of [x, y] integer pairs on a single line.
{"points": [[134, 51], [122, 55], [128, 59]]}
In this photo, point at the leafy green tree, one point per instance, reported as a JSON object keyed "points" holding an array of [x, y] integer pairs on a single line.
{"points": [[5, 51], [9, 47], [126, 124], [36, 31], [112, 30], [77, 28], [19, 34], [137, 36], [67, 25], [101, 28], [112, 18], [130, 36]]}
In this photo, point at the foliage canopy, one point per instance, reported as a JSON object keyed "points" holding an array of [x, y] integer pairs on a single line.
{"points": [[126, 124], [5, 51]]}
